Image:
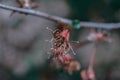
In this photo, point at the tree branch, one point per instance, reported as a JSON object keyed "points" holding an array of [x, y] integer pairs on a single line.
{"points": [[75, 23]]}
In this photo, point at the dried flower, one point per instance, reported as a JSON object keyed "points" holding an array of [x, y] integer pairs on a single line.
{"points": [[61, 47], [60, 40]]}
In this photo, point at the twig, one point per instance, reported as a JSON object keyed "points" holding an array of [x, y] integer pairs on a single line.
{"points": [[75, 23], [92, 58], [35, 13]]}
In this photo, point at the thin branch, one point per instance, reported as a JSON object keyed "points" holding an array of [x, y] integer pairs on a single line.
{"points": [[92, 58], [79, 24], [35, 13], [101, 25]]}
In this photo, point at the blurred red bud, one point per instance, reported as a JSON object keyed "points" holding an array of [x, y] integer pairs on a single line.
{"points": [[88, 74]]}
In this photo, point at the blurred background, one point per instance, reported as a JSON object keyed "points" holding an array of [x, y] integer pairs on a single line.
{"points": [[23, 46]]}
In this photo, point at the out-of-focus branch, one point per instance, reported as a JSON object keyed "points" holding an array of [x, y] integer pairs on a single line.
{"points": [[92, 58], [35, 13], [75, 23]]}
